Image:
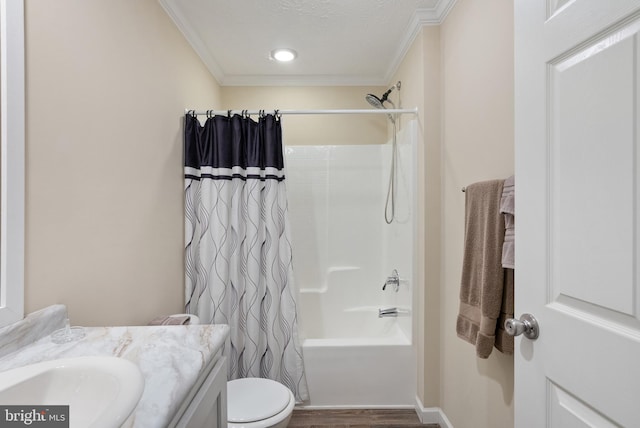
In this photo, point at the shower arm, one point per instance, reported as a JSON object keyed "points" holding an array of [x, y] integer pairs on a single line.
{"points": [[385, 96]]}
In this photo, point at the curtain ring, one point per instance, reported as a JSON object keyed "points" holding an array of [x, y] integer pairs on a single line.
{"points": [[229, 114], [208, 114], [277, 114]]}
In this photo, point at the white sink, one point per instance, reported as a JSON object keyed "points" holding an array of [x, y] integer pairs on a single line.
{"points": [[101, 391]]}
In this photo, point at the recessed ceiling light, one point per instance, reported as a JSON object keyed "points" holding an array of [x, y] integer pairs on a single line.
{"points": [[283, 55]]}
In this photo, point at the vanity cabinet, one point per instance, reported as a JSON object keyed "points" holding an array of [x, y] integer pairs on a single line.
{"points": [[186, 360], [206, 405]]}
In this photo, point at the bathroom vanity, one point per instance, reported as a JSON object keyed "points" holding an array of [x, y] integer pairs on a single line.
{"points": [[206, 403], [183, 367]]}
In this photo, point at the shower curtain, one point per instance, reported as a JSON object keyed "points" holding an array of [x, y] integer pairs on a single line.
{"points": [[237, 249]]}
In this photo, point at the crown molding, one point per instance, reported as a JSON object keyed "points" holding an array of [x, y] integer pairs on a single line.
{"points": [[421, 18], [443, 8], [296, 80], [194, 40]]}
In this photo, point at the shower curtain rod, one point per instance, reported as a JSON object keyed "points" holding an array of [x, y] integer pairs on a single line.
{"points": [[352, 111]]}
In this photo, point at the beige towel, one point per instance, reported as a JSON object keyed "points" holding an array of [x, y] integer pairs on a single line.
{"points": [[504, 342], [508, 209], [482, 284], [165, 320]]}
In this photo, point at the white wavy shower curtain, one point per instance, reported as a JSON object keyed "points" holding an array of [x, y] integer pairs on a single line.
{"points": [[238, 251]]}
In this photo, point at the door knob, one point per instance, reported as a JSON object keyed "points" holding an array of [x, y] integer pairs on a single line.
{"points": [[527, 324]]}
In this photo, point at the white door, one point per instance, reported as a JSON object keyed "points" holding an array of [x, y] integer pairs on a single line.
{"points": [[577, 220]]}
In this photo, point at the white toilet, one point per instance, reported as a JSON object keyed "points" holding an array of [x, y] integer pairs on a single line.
{"points": [[255, 402], [258, 403]]}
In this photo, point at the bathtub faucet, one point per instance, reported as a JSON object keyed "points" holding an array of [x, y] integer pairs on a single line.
{"points": [[387, 312]]}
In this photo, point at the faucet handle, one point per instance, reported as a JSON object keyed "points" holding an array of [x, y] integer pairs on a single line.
{"points": [[394, 280]]}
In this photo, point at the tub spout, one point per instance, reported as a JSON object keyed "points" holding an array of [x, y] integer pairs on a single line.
{"points": [[387, 312]]}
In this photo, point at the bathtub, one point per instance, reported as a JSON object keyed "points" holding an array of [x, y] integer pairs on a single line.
{"points": [[353, 358], [369, 363]]}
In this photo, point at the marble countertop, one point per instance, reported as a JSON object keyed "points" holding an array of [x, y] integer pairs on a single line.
{"points": [[171, 358]]}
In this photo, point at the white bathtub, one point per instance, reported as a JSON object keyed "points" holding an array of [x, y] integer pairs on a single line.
{"points": [[370, 367], [352, 357]]}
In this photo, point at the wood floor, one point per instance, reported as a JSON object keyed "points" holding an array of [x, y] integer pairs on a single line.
{"points": [[356, 418]]}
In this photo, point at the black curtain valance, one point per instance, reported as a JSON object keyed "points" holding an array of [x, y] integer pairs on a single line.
{"points": [[235, 141]]}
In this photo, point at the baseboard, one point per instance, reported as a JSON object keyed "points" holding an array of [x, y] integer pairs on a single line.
{"points": [[355, 406], [432, 415]]}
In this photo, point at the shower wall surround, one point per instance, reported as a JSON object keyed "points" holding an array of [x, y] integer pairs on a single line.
{"points": [[343, 251]]}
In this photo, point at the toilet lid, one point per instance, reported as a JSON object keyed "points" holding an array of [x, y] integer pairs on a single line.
{"points": [[254, 399]]}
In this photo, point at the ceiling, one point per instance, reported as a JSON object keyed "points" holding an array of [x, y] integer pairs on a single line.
{"points": [[338, 42]]}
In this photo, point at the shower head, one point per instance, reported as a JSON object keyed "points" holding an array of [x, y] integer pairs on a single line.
{"points": [[379, 102], [374, 101]]}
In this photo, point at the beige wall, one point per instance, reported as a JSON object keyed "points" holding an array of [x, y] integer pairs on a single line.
{"points": [[107, 83], [477, 92], [314, 129]]}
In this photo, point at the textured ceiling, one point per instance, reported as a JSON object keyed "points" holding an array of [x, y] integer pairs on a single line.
{"points": [[339, 42]]}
